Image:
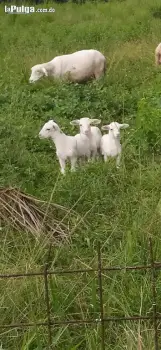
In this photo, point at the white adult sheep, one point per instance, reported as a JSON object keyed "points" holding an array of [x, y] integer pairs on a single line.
{"points": [[67, 147], [77, 67], [92, 132], [110, 143], [158, 54]]}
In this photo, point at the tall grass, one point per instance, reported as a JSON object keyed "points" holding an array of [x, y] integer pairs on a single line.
{"points": [[121, 208]]}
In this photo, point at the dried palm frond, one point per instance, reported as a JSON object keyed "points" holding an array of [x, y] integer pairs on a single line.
{"points": [[27, 213]]}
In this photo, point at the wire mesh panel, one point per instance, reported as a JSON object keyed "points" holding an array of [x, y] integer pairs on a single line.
{"points": [[97, 276]]}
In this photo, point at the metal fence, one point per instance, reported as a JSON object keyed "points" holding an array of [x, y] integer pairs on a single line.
{"points": [[155, 317]]}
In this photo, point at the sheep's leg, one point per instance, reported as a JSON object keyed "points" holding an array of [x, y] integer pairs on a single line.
{"points": [[89, 157], [73, 163], [105, 157], [98, 153], [97, 156], [93, 156], [84, 159], [118, 160], [81, 160], [62, 165]]}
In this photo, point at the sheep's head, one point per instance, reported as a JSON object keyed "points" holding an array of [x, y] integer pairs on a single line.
{"points": [[48, 129], [115, 127], [85, 124], [37, 72]]}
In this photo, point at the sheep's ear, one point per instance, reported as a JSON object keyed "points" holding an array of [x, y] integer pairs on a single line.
{"points": [[75, 122], [95, 121], [44, 71], [105, 127], [124, 126]]}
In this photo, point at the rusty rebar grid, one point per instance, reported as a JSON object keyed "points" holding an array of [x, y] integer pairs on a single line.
{"points": [[63, 272], [101, 297], [99, 270], [79, 322], [153, 280]]}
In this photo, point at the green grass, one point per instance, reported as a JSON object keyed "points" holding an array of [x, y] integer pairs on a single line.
{"points": [[121, 207]]}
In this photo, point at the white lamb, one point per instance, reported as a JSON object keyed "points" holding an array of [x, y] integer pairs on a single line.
{"points": [[92, 132], [67, 147], [110, 143], [77, 67], [158, 54]]}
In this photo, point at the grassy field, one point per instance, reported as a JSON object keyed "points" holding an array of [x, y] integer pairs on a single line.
{"points": [[121, 208]]}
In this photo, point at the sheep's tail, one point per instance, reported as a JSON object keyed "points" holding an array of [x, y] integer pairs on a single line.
{"points": [[157, 58], [105, 66]]}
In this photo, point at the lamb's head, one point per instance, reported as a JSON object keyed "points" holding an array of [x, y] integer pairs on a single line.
{"points": [[85, 124], [114, 128], [37, 72], [49, 129]]}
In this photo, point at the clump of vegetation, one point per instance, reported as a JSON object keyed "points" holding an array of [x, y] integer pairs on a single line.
{"points": [[26, 213]]}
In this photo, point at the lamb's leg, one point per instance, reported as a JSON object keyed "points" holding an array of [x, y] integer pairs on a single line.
{"points": [[62, 165], [82, 160], [73, 163], [89, 157], [93, 156], [118, 160], [98, 153], [105, 157]]}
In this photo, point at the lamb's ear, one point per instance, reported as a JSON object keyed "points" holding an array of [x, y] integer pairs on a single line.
{"points": [[124, 126], [44, 71], [75, 122], [105, 127], [95, 121]]}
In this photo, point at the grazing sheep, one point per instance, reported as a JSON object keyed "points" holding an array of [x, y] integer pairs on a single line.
{"points": [[77, 67], [110, 143], [92, 132], [158, 55], [67, 147]]}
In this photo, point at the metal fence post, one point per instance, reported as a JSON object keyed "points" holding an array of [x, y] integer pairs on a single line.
{"points": [[153, 280], [47, 305], [101, 297]]}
